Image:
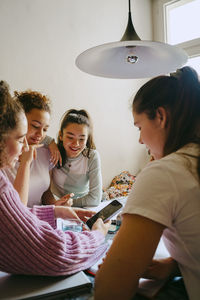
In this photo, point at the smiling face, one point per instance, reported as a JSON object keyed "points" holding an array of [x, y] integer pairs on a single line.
{"points": [[16, 141], [152, 132], [74, 138], [38, 124]]}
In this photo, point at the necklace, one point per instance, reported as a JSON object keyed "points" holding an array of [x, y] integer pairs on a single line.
{"points": [[69, 164]]}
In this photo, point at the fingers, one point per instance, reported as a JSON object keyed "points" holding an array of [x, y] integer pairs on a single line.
{"points": [[65, 212], [64, 202], [100, 226], [68, 196], [54, 157], [89, 213], [59, 202], [60, 159], [34, 154], [84, 214], [69, 202]]}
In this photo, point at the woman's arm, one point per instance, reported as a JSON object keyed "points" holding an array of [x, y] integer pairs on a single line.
{"points": [[32, 246], [94, 196], [128, 258], [21, 182], [50, 143], [160, 269], [49, 199]]}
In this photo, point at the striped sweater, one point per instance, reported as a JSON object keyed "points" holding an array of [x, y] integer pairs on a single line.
{"points": [[31, 244]]}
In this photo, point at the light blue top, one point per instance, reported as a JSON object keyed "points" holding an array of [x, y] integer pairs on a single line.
{"points": [[81, 176]]}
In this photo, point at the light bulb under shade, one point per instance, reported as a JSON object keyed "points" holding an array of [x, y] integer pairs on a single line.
{"points": [[110, 60]]}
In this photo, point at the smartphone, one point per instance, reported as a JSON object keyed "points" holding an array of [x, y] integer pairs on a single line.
{"points": [[106, 213]]}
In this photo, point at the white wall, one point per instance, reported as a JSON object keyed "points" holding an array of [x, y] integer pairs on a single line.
{"points": [[40, 40]]}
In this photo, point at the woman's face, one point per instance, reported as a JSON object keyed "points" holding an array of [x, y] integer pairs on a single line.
{"points": [[152, 132], [38, 124], [16, 141], [74, 138]]}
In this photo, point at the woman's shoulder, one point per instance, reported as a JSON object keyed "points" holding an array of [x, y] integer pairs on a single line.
{"points": [[93, 153], [94, 156], [177, 164]]}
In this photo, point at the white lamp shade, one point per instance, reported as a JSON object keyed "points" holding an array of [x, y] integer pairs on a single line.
{"points": [[110, 60]]}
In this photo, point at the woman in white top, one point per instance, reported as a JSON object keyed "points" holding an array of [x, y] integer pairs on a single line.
{"points": [[165, 199], [80, 173], [37, 110]]}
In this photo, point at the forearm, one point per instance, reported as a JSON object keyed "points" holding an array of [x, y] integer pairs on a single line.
{"points": [[161, 269], [93, 198], [21, 183], [47, 141], [128, 257], [86, 201]]}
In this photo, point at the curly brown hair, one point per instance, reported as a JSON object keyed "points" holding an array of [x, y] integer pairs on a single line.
{"points": [[10, 111], [33, 99]]}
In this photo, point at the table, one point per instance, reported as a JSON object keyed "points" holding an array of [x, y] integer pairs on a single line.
{"points": [[161, 252], [109, 237]]}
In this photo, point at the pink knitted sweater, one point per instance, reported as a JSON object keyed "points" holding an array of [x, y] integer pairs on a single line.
{"points": [[30, 243]]}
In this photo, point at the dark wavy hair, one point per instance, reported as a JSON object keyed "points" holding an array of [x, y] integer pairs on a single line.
{"points": [[179, 94], [33, 99], [78, 117], [10, 111]]}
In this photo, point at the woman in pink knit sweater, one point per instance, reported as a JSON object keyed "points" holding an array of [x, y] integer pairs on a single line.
{"points": [[30, 242]]}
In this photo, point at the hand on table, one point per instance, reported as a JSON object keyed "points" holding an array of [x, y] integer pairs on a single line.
{"points": [[161, 269]]}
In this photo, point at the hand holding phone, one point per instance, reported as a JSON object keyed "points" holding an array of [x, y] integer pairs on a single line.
{"points": [[106, 213]]}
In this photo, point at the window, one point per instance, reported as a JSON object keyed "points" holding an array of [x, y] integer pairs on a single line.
{"points": [[177, 22], [182, 21], [194, 62]]}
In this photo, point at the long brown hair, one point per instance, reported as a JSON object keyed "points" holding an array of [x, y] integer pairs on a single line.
{"points": [[78, 117], [179, 94]]}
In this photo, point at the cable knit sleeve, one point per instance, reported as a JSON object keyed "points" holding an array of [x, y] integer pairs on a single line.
{"points": [[45, 213], [30, 245]]}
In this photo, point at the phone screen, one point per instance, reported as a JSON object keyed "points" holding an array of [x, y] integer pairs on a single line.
{"points": [[106, 213]]}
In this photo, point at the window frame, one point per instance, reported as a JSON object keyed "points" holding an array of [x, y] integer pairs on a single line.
{"points": [[191, 47]]}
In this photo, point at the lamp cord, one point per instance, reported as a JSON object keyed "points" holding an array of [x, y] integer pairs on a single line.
{"points": [[129, 6]]}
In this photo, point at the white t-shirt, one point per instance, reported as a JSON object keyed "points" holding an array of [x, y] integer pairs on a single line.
{"points": [[39, 176], [168, 191]]}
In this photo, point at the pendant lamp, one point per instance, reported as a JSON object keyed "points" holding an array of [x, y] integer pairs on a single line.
{"points": [[131, 57]]}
